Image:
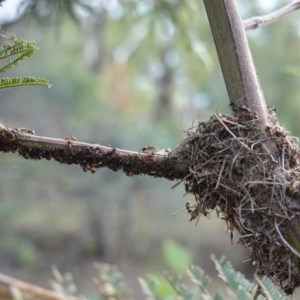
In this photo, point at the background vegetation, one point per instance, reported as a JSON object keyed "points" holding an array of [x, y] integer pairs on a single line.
{"points": [[128, 75]]}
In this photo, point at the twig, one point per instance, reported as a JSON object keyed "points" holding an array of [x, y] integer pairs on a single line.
{"points": [[243, 144], [295, 251], [8, 284], [220, 174], [91, 157], [255, 22], [266, 183], [230, 189]]}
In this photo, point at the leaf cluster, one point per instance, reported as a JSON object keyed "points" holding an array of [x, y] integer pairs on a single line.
{"points": [[195, 285], [110, 285], [11, 54]]}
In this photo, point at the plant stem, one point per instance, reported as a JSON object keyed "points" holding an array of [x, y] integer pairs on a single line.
{"points": [[238, 69]]}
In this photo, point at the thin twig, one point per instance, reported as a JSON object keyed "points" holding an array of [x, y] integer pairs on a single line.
{"points": [[8, 284], [266, 183], [255, 22], [220, 174], [216, 115], [230, 189], [295, 251]]}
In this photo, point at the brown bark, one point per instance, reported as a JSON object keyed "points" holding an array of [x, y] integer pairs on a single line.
{"points": [[238, 69], [91, 157]]}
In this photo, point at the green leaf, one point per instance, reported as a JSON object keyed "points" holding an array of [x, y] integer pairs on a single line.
{"points": [[17, 81], [13, 52], [148, 286], [198, 277], [163, 288], [239, 286], [110, 282], [16, 52], [151, 281], [270, 290], [176, 256], [218, 297], [181, 289]]}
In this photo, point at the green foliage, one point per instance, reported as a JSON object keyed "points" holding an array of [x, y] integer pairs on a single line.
{"points": [[110, 283], [239, 286], [23, 250], [63, 284], [17, 81], [271, 292], [180, 288], [12, 53], [148, 286], [195, 285], [176, 256], [16, 52], [198, 277]]}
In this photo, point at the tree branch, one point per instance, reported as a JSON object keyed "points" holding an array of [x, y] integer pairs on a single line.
{"points": [[9, 286], [255, 22], [238, 69], [92, 156]]}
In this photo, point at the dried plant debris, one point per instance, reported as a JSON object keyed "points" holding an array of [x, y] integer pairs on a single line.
{"points": [[256, 193]]}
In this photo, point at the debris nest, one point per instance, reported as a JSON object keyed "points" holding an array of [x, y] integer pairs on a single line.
{"points": [[255, 192]]}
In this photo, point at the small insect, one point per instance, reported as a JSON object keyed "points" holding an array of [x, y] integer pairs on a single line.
{"points": [[193, 210], [70, 138], [149, 149], [25, 130]]}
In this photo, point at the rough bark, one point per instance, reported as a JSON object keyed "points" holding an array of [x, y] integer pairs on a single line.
{"points": [[149, 161]]}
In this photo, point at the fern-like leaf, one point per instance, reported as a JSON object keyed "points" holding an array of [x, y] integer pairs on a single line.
{"points": [[63, 284], [198, 277], [182, 290], [18, 81], [270, 290], [14, 53], [217, 297], [148, 286], [238, 285], [110, 283]]}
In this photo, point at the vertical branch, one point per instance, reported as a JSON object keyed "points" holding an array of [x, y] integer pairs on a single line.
{"points": [[238, 69]]}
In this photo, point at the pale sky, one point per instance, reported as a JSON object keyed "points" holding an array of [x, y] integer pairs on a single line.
{"points": [[9, 11]]}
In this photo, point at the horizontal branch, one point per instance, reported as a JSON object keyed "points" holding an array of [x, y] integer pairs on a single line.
{"points": [[91, 157], [256, 22], [9, 287]]}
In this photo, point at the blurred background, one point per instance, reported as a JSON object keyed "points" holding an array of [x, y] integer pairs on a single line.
{"points": [[129, 74]]}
